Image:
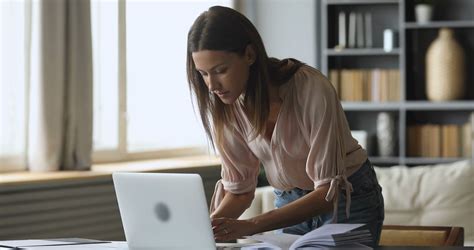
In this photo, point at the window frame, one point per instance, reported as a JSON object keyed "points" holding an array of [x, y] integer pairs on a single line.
{"points": [[121, 154]]}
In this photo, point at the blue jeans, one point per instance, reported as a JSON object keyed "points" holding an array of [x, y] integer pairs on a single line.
{"points": [[367, 205]]}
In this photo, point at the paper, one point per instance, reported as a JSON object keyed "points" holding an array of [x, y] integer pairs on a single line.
{"points": [[327, 236], [244, 246], [281, 240], [102, 246], [25, 243], [33, 243]]}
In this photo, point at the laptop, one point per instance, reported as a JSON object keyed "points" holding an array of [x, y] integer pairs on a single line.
{"points": [[163, 211]]}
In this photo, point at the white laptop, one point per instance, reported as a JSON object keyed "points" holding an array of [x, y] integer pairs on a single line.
{"points": [[163, 211]]}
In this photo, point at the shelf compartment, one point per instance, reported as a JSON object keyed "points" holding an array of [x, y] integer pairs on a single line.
{"points": [[438, 134], [440, 24], [382, 16], [366, 85], [417, 44], [362, 52], [444, 10], [367, 121]]}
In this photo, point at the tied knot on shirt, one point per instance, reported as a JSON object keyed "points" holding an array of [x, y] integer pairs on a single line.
{"points": [[333, 193]]}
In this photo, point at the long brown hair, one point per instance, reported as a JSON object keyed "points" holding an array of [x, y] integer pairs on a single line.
{"points": [[224, 29]]}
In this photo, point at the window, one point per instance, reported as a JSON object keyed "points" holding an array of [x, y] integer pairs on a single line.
{"points": [[104, 19], [142, 105], [13, 85]]}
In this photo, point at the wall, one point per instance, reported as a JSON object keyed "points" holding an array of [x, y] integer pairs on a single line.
{"points": [[288, 28]]}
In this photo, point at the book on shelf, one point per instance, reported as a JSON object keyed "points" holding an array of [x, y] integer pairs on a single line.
{"points": [[434, 141], [366, 79], [425, 136], [357, 86], [345, 90], [326, 236], [393, 85], [360, 30], [352, 30], [467, 138], [414, 141], [376, 85], [368, 29], [450, 140], [342, 30], [334, 79], [440, 140], [383, 82], [351, 85]]}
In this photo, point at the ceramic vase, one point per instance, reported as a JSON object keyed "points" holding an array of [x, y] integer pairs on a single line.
{"points": [[386, 134], [423, 13], [445, 68]]}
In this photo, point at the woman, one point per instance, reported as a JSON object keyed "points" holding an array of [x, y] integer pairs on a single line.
{"points": [[285, 115]]}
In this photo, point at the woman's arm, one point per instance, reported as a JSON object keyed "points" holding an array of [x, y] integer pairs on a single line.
{"points": [[306, 207], [233, 205]]}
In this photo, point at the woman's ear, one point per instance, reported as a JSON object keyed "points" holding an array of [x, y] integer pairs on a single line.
{"points": [[250, 54]]}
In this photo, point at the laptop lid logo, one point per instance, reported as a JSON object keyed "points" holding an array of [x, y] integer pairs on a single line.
{"points": [[162, 212]]}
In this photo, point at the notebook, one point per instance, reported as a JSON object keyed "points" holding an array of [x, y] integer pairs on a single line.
{"points": [[163, 211]]}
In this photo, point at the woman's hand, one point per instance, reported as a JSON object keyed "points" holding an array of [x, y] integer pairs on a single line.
{"points": [[226, 229]]}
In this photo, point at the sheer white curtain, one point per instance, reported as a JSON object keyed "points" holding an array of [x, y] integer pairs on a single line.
{"points": [[13, 84], [51, 73]]}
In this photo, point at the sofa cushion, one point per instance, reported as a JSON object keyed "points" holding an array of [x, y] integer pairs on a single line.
{"points": [[439, 195], [263, 202]]}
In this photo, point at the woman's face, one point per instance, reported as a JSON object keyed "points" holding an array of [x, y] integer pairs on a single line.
{"points": [[225, 73]]}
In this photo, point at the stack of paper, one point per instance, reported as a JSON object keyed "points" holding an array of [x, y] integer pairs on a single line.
{"points": [[330, 235]]}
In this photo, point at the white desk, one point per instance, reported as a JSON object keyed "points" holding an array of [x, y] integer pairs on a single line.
{"points": [[121, 245]]}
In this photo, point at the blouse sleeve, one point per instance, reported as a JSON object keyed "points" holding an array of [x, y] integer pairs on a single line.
{"points": [[323, 120], [240, 167]]}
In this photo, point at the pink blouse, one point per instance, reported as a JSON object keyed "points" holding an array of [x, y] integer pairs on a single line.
{"points": [[311, 144]]}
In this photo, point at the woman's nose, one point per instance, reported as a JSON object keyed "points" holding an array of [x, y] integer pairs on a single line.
{"points": [[213, 83]]}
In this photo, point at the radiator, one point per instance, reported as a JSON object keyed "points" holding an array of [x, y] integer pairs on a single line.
{"points": [[85, 208]]}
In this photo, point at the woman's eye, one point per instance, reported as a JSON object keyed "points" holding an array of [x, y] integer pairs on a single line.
{"points": [[221, 71], [203, 73]]}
